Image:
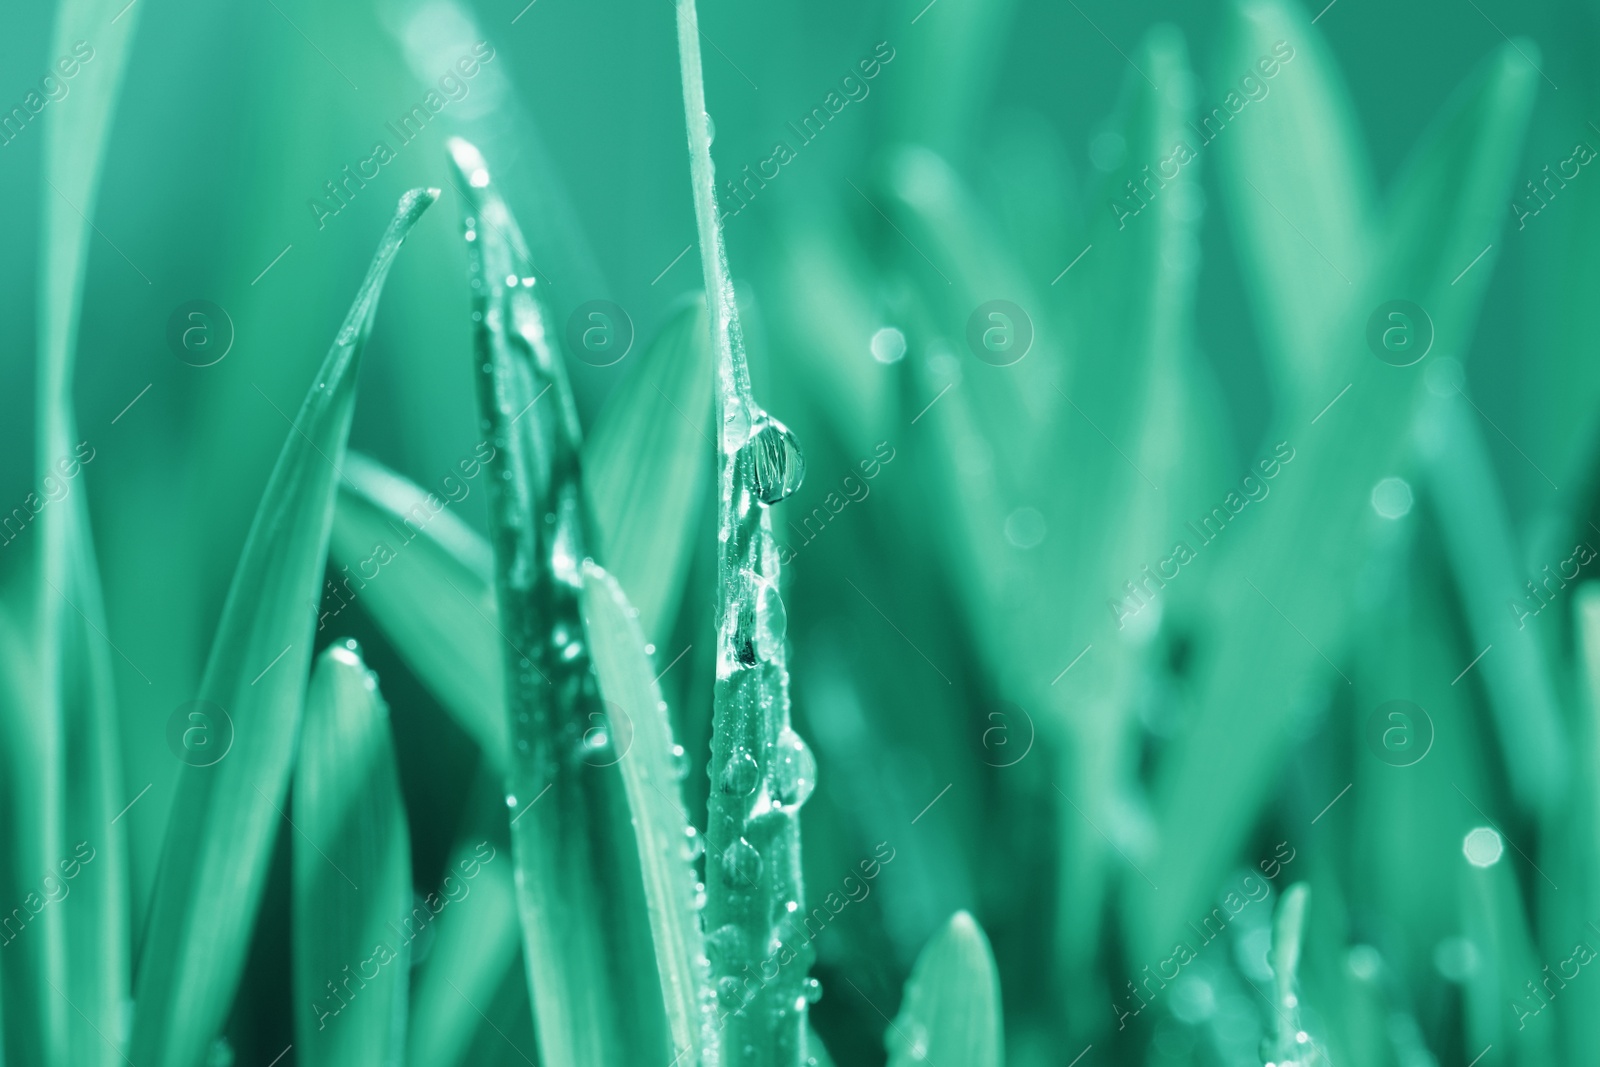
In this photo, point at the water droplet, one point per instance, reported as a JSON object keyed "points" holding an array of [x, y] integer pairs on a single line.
{"points": [[796, 769], [811, 989], [888, 345], [680, 765], [511, 800], [739, 776], [696, 845], [726, 943], [711, 129], [742, 864], [776, 463]]}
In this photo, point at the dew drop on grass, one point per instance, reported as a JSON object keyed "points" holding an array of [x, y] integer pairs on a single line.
{"points": [[742, 864], [777, 465], [771, 620], [694, 844], [680, 764], [811, 989], [796, 769], [739, 776], [725, 943]]}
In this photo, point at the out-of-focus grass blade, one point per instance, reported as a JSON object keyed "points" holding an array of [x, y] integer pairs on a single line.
{"points": [[648, 464], [1494, 919], [1300, 190], [353, 918], [1289, 1044], [1482, 551], [951, 1011], [816, 1050], [72, 978], [586, 929], [475, 944], [1289, 575], [226, 815], [938, 85], [422, 554], [650, 772]]}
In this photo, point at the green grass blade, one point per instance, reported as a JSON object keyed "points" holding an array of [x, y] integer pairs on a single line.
{"points": [[418, 552], [226, 816], [474, 951], [650, 774], [585, 926], [1445, 211], [648, 466], [761, 771], [1300, 190], [1482, 549], [1288, 929], [77, 963], [816, 1051], [951, 1010], [353, 917]]}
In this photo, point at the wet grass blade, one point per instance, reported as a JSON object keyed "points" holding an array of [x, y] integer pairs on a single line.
{"points": [[419, 552], [651, 769], [648, 467], [353, 916], [226, 816], [1289, 1043], [951, 1010], [761, 771], [586, 932]]}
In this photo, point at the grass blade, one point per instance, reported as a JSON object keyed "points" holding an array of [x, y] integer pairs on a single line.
{"points": [[1300, 190], [951, 1011], [71, 978], [580, 892], [1288, 1044], [424, 554], [352, 874], [648, 468], [1444, 211], [226, 816], [761, 771], [650, 774]]}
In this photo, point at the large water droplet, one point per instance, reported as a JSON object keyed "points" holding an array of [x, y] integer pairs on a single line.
{"points": [[739, 776], [776, 461], [796, 769], [742, 864]]}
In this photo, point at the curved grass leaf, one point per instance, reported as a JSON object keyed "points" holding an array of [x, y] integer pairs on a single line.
{"points": [[651, 772], [1288, 1045], [226, 815], [1297, 560], [761, 771], [951, 1011], [429, 557], [71, 978], [587, 938], [353, 916], [647, 468]]}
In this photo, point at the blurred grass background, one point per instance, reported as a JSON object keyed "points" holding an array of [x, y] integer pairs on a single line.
{"points": [[975, 168]]}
